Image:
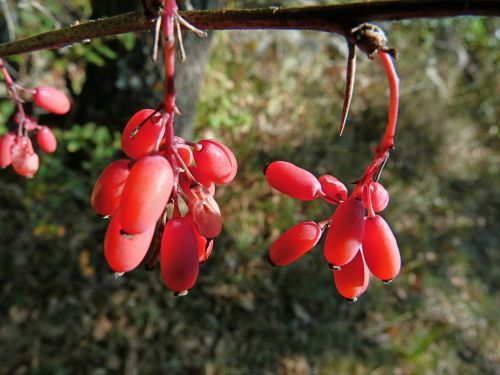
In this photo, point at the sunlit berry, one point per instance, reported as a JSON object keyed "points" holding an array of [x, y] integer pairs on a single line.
{"points": [[216, 161], [141, 134], [381, 249], [146, 193], [125, 252], [345, 233], [179, 255], [294, 243], [352, 280], [108, 188], [293, 181]]}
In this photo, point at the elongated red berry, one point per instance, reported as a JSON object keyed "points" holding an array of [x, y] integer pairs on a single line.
{"points": [[125, 252], [52, 100], [179, 255], [216, 161], [108, 188], [293, 181], [24, 160], [352, 280], [333, 189], [46, 139], [345, 233], [381, 249], [379, 197], [141, 134], [145, 194], [294, 243], [6, 143]]}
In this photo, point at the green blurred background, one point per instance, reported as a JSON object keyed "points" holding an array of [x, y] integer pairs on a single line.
{"points": [[269, 96]]}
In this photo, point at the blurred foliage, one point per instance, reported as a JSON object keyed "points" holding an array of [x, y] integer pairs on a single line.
{"points": [[269, 96]]}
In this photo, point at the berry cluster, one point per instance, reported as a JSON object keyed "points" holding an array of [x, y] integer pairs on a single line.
{"points": [[356, 244], [136, 193], [16, 148], [165, 191]]}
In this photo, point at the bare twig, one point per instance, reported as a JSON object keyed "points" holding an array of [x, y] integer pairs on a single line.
{"points": [[330, 18]]}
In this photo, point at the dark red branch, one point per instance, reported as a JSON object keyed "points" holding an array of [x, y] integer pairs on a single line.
{"points": [[330, 18]]}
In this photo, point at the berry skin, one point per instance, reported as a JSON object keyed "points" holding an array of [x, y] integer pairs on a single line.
{"points": [[52, 100], [334, 191], [145, 194], [124, 252], [139, 140], [293, 181], [24, 160], [216, 161], [379, 196], [186, 154], [352, 280], [46, 140], [294, 243], [179, 255], [345, 233], [6, 143], [381, 249], [108, 188]]}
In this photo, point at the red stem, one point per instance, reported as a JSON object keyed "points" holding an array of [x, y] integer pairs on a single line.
{"points": [[387, 142], [11, 86]]}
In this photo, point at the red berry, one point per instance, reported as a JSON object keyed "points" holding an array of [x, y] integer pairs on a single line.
{"points": [[352, 280], [381, 249], [379, 196], [145, 194], [108, 188], [216, 161], [334, 190], [292, 180], [179, 255], [24, 160], [125, 252], [141, 134], [46, 139], [6, 143], [294, 243], [345, 233], [52, 100]]}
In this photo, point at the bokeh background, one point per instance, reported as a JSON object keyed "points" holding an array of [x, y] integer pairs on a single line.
{"points": [[269, 95]]}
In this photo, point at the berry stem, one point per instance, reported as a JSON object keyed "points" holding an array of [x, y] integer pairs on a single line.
{"points": [[387, 142], [12, 88]]}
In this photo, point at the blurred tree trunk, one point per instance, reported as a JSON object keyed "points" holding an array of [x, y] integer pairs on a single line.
{"points": [[112, 93]]}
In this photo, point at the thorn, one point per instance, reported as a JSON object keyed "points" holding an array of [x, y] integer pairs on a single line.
{"points": [[179, 37], [351, 300], [104, 216], [387, 282], [117, 275], [349, 84], [156, 43], [177, 111], [191, 28]]}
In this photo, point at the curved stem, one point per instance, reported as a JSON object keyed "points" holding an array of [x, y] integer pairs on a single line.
{"points": [[330, 18]]}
